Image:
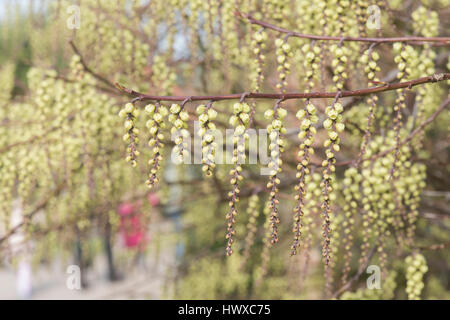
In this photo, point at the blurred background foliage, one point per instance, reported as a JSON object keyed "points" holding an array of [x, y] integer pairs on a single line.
{"points": [[71, 173]]}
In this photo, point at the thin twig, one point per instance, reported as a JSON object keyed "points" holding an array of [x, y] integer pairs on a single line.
{"points": [[437, 246], [411, 39], [29, 215], [89, 70], [357, 275], [415, 132]]}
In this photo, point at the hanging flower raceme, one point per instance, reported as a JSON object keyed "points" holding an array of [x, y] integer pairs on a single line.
{"points": [[416, 268], [239, 120], [258, 45], [283, 52], [311, 64], [130, 113], [206, 117], [369, 59], [339, 64], [361, 12], [252, 227], [179, 117], [334, 125], [275, 130], [402, 58], [308, 118], [155, 125], [414, 182], [352, 197]]}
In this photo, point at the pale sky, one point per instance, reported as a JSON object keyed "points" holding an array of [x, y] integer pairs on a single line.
{"points": [[22, 3]]}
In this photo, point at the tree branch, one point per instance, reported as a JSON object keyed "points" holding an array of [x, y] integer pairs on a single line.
{"points": [[89, 70], [361, 270], [287, 96], [412, 39], [438, 246], [26, 218]]}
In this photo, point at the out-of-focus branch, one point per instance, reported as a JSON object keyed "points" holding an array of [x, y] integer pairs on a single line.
{"points": [[411, 39], [41, 205], [31, 140], [438, 246], [89, 70], [415, 132], [361, 269]]}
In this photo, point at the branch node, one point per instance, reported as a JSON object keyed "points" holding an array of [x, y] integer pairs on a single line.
{"points": [[138, 98], [189, 98], [243, 96], [437, 77]]}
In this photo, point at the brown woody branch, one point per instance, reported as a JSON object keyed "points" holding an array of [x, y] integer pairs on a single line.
{"points": [[437, 246], [287, 96], [412, 39]]}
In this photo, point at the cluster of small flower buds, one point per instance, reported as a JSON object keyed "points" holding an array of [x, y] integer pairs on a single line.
{"points": [[308, 118], [179, 117], [403, 60], [383, 203], [361, 14], [26, 168], [130, 113], [311, 64], [369, 60], [334, 125], [8, 179], [157, 113], [416, 268], [426, 21], [341, 12], [283, 53], [195, 8], [276, 10], [258, 45], [253, 213], [352, 196], [239, 120], [307, 17], [312, 201], [206, 117], [276, 147], [265, 253], [76, 67], [339, 64], [369, 205], [324, 16], [162, 75], [336, 221], [411, 186]]}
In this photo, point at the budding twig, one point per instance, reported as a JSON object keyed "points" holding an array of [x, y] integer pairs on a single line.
{"points": [[293, 95], [411, 39]]}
